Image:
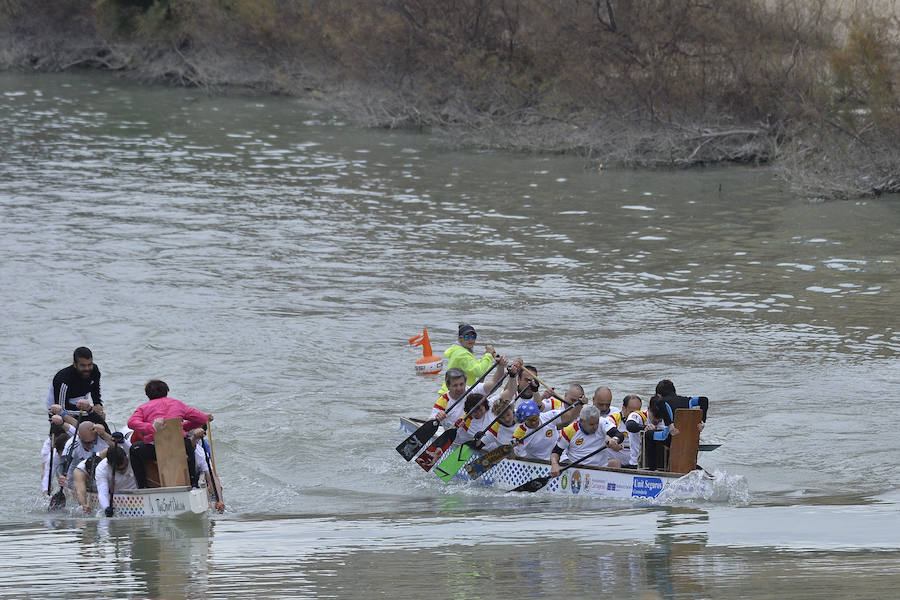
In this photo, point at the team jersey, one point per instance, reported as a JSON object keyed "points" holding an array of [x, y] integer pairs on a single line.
{"points": [[444, 400], [472, 426], [541, 444], [576, 444], [103, 478], [634, 439], [498, 435], [552, 403]]}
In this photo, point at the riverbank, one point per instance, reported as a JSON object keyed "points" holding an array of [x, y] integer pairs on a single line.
{"points": [[628, 89]]}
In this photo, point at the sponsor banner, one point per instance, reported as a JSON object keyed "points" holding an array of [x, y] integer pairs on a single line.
{"points": [[646, 487]]}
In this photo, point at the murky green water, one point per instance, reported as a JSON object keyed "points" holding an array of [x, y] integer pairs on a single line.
{"points": [[270, 261]]}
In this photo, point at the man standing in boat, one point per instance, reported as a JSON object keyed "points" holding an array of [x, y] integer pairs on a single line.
{"points": [[150, 417], [76, 388], [460, 355]]}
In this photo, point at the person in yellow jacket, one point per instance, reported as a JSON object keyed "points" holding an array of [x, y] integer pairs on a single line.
{"points": [[460, 355]]}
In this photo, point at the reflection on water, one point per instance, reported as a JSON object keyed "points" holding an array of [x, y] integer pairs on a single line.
{"points": [[158, 558], [635, 553]]}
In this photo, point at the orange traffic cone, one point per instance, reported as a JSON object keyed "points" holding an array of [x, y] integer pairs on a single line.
{"points": [[428, 364]]}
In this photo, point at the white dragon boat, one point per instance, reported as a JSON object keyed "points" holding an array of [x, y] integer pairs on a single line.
{"points": [[172, 501], [604, 482]]}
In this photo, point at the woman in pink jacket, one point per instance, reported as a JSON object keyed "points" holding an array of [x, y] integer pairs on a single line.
{"points": [[149, 417]]}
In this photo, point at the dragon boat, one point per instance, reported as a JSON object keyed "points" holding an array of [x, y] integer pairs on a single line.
{"points": [[170, 493], [173, 501], [604, 482]]}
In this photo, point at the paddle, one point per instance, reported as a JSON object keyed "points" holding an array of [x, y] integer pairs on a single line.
{"points": [[708, 447], [454, 462], [409, 447], [539, 482], [430, 457], [117, 437], [476, 468], [50, 466], [212, 474], [58, 501]]}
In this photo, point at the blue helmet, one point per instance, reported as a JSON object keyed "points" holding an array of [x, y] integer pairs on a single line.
{"points": [[527, 409]]}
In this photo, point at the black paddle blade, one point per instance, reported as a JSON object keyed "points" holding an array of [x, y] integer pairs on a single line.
{"points": [[477, 467], [533, 485], [409, 447], [435, 452], [58, 501]]}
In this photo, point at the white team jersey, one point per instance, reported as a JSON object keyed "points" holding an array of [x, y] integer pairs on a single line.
{"points": [[45, 459], [472, 426], [444, 401], [541, 444], [103, 478], [623, 455], [576, 445], [498, 435], [635, 439]]}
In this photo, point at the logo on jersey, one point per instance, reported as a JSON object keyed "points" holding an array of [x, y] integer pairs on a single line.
{"points": [[579, 441], [549, 433]]}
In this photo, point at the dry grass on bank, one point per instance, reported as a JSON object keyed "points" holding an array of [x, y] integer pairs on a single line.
{"points": [[808, 85]]}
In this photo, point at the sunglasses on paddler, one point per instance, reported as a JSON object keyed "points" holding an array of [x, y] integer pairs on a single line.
{"points": [[470, 336]]}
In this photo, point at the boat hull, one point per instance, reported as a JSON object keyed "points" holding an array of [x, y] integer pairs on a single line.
{"points": [[603, 482], [157, 502]]}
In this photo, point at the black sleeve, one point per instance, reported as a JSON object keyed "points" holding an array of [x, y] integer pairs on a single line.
{"points": [[704, 405], [633, 426], [615, 433], [57, 383], [95, 389], [557, 450]]}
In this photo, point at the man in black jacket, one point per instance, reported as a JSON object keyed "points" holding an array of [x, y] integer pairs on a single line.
{"points": [[76, 389]]}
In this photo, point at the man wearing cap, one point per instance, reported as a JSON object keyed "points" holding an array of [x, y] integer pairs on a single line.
{"points": [[460, 355]]}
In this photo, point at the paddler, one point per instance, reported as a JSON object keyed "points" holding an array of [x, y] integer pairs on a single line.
{"points": [[665, 391], [583, 437], [460, 355], [501, 432], [541, 444], [150, 417], [455, 381], [630, 404]]}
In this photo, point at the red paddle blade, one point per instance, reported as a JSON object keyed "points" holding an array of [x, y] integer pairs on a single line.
{"points": [[435, 452]]}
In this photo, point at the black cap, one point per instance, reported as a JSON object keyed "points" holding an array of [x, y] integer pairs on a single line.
{"points": [[464, 329]]}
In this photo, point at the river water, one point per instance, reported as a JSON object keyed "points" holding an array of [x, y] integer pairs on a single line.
{"points": [[270, 261]]}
